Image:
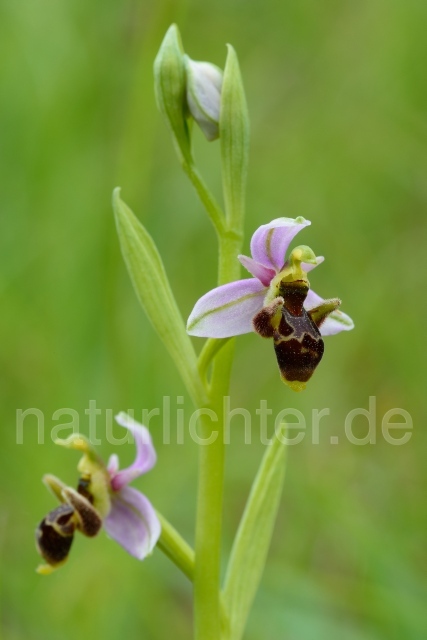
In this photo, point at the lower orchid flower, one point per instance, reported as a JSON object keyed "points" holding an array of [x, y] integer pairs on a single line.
{"points": [[277, 303], [103, 497]]}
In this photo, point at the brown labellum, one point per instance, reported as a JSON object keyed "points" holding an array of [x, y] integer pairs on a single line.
{"points": [[55, 533], [297, 341]]}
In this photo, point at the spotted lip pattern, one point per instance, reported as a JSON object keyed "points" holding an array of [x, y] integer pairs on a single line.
{"points": [[298, 345]]}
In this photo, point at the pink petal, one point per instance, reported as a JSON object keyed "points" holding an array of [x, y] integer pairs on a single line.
{"points": [[264, 274], [133, 522], [271, 241], [145, 453], [227, 310], [335, 323]]}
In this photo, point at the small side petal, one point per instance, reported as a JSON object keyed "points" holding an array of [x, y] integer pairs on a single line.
{"points": [[89, 518], [264, 274], [133, 522], [271, 241], [145, 453], [227, 310], [113, 464], [309, 267], [335, 323]]}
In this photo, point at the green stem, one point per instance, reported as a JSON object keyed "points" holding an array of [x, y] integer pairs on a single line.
{"points": [[209, 623], [176, 548], [212, 207], [229, 248], [209, 506], [209, 351]]}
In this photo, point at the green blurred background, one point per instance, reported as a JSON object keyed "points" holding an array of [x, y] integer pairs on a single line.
{"points": [[337, 96]]}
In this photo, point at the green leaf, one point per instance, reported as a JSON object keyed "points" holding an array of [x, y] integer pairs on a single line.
{"points": [[234, 138], [170, 88], [152, 287], [253, 537]]}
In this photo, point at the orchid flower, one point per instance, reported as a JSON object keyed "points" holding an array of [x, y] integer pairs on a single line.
{"points": [[277, 302], [103, 497]]}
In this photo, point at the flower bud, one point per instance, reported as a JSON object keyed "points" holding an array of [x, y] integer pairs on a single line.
{"points": [[169, 84], [204, 84]]}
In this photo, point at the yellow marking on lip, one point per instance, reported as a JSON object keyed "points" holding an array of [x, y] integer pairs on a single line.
{"points": [[295, 385]]}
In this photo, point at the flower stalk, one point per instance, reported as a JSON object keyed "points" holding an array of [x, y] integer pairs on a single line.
{"points": [[210, 505], [234, 158], [176, 548]]}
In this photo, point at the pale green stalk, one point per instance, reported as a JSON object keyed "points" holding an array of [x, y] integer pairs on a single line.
{"points": [[176, 548], [213, 209], [209, 508], [234, 140], [211, 479], [209, 351]]}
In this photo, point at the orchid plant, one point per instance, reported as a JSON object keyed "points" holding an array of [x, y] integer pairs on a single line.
{"points": [[277, 302]]}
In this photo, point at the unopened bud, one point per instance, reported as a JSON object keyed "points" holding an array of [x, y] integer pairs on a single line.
{"points": [[204, 84]]}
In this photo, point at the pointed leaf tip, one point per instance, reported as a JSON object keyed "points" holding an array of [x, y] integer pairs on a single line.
{"points": [[253, 538], [152, 288], [234, 137]]}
